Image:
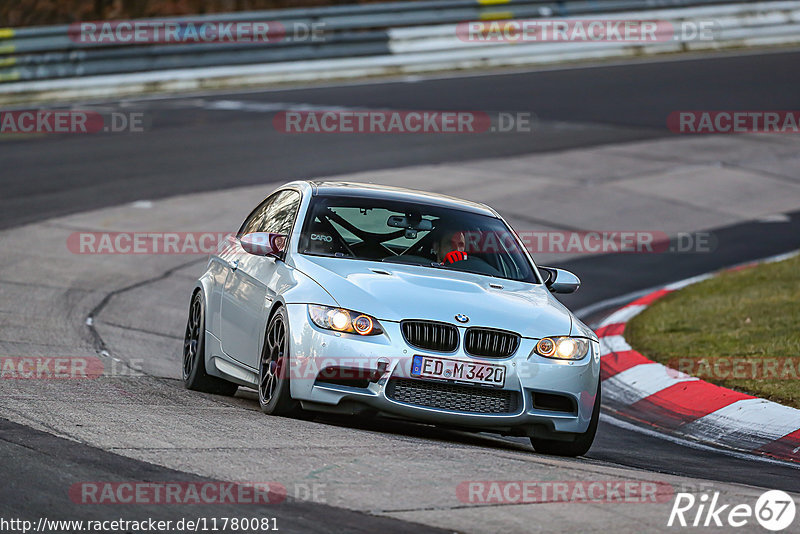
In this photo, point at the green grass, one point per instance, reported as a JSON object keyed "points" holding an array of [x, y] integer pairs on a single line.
{"points": [[753, 314]]}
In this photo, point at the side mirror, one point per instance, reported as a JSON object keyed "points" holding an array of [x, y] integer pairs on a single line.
{"points": [[559, 280], [263, 243]]}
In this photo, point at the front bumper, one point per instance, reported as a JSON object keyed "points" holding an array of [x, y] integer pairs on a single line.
{"points": [[313, 350]]}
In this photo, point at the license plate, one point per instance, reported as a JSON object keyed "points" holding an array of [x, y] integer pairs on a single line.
{"points": [[476, 373]]}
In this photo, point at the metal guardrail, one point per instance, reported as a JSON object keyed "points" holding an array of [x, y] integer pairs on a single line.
{"points": [[49, 52]]}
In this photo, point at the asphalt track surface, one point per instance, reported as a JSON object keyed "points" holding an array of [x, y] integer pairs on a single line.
{"points": [[189, 148], [36, 462]]}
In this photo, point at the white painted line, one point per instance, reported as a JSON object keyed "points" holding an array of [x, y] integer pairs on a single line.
{"points": [[623, 315], [267, 107], [680, 284], [693, 444], [641, 381], [781, 257], [774, 218]]}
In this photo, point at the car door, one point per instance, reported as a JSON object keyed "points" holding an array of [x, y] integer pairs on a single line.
{"points": [[252, 281]]}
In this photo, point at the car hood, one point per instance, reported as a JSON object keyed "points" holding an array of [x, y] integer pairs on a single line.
{"points": [[393, 292]]}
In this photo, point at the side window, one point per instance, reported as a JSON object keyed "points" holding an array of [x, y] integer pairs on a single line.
{"points": [[275, 214], [279, 215], [253, 221]]}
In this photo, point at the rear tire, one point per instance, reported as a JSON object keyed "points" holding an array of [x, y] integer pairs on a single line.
{"points": [[194, 373], [274, 394], [582, 442]]}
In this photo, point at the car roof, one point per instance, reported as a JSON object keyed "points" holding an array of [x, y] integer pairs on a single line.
{"points": [[388, 192]]}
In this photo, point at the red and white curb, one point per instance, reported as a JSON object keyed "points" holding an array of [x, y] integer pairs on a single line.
{"points": [[641, 389]]}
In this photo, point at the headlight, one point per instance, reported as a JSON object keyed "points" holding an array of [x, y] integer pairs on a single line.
{"points": [[342, 320], [562, 348]]}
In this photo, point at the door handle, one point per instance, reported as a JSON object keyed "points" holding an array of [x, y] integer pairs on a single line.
{"points": [[233, 264]]}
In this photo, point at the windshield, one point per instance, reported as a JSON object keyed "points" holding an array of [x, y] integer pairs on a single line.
{"points": [[415, 234]]}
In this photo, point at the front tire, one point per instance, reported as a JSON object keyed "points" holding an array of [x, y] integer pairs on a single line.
{"points": [[274, 396], [194, 373], [582, 442]]}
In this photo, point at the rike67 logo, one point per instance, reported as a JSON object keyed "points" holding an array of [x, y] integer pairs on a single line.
{"points": [[774, 510]]}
